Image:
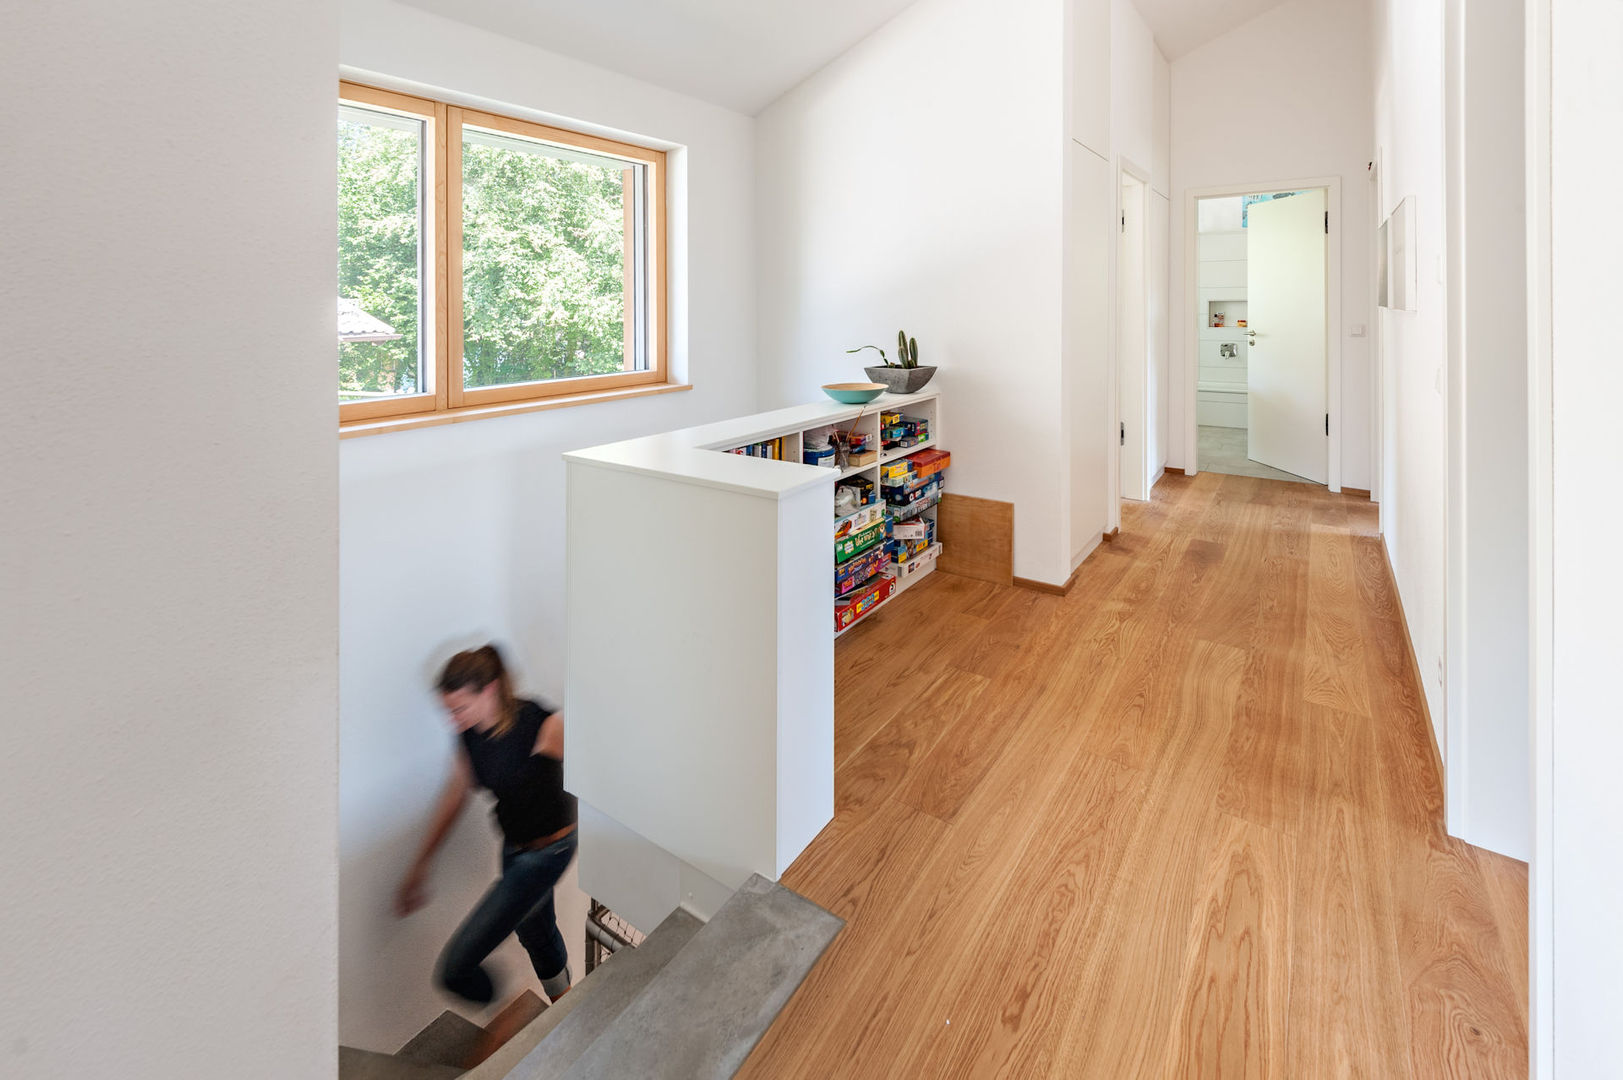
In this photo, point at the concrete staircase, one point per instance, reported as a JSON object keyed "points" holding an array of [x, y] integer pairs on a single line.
{"points": [[689, 1003], [441, 1050]]}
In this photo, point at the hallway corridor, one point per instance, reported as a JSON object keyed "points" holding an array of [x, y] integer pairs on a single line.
{"points": [[1184, 821]]}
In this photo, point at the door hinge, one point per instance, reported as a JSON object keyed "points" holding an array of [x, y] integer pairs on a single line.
{"points": [[1124, 433], [1327, 223], [1124, 223], [1327, 423]]}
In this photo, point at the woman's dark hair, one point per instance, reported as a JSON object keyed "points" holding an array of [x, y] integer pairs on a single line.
{"points": [[476, 669]]}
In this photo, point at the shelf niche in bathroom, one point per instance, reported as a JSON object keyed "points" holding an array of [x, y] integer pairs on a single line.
{"points": [[1231, 310]]}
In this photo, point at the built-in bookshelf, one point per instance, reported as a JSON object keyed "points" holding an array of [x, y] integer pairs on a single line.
{"points": [[864, 427]]}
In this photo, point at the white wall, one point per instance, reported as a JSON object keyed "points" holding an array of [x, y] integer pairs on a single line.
{"points": [[1087, 344], [916, 182], [1489, 801], [1282, 97], [168, 552], [1409, 133], [1163, 275], [1088, 62], [1576, 103], [1140, 99], [454, 534], [1134, 59], [1118, 96]]}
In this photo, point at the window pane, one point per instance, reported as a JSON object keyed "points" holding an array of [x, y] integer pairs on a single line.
{"points": [[548, 260], [380, 257]]}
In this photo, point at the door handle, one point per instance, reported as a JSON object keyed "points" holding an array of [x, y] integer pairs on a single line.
{"points": [[1251, 335]]}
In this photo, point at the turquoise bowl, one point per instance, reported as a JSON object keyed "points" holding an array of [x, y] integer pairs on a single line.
{"points": [[854, 393]]}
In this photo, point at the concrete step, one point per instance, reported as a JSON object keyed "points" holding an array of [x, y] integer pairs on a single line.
{"points": [[700, 1016], [450, 1040], [356, 1064], [546, 1048]]}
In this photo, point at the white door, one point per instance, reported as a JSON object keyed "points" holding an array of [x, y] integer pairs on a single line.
{"points": [[1286, 321], [1131, 341]]}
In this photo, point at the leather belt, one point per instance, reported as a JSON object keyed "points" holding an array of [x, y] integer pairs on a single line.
{"points": [[548, 840]]}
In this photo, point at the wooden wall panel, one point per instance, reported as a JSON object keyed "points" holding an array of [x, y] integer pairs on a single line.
{"points": [[977, 538]]}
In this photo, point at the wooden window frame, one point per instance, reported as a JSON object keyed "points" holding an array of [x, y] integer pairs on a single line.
{"points": [[441, 304], [431, 311]]}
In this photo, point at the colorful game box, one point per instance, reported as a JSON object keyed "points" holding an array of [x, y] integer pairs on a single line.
{"points": [[855, 606], [854, 571]]}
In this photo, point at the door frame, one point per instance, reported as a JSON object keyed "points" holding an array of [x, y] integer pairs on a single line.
{"points": [[1332, 308], [1126, 171]]}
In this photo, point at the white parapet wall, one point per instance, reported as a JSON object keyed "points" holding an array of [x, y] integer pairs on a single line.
{"points": [[700, 659]]}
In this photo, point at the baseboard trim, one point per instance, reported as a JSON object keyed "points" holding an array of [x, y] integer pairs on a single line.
{"points": [[1043, 586], [1419, 673], [1048, 587], [1070, 582]]}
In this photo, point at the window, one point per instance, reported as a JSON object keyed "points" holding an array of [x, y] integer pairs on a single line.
{"points": [[485, 261]]}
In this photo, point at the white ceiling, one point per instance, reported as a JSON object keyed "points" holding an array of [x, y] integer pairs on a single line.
{"points": [[1181, 26], [739, 53]]}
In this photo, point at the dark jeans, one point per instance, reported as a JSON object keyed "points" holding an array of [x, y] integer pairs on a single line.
{"points": [[521, 901]]}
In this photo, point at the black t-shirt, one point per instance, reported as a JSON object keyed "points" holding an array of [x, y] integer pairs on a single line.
{"points": [[529, 787]]}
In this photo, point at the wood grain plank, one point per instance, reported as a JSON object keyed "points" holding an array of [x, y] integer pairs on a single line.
{"points": [[1336, 677], [1133, 712], [1237, 981], [1262, 768], [1128, 990], [1061, 883], [977, 731], [875, 770], [863, 870], [943, 939], [1344, 1019]]}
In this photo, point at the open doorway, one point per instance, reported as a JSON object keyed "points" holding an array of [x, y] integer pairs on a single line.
{"points": [[1262, 334]]}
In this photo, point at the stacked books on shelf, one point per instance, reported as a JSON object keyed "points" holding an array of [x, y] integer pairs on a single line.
{"points": [[771, 449]]}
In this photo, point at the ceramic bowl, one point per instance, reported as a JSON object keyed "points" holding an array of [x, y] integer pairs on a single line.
{"points": [[854, 393]]}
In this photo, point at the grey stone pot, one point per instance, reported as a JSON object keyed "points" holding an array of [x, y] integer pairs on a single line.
{"points": [[901, 380]]}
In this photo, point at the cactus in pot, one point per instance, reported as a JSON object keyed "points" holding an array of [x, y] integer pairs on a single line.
{"points": [[906, 375], [907, 350]]}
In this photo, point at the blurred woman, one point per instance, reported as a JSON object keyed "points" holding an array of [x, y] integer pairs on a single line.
{"points": [[514, 748]]}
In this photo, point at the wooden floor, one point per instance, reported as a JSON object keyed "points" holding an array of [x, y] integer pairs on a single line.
{"points": [[1185, 821]]}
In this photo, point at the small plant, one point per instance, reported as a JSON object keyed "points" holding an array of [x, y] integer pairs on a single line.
{"points": [[907, 351]]}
